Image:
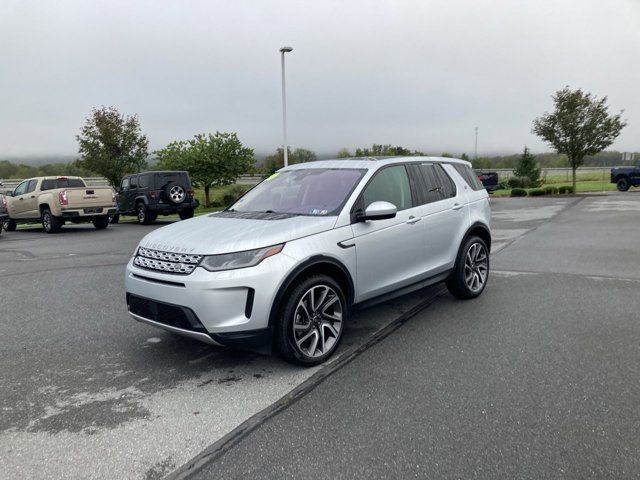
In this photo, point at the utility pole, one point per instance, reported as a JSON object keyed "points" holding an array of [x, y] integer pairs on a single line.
{"points": [[284, 50], [475, 151]]}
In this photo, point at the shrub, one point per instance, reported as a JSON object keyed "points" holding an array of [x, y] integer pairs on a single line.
{"points": [[232, 193], [537, 192], [565, 189], [518, 192], [549, 190], [518, 182]]}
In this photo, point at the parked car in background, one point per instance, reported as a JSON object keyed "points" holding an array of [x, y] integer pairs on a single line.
{"points": [[286, 263], [626, 177], [149, 194], [3, 211], [489, 180], [53, 201]]}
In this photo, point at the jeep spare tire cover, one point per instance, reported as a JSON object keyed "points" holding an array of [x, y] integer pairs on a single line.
{"points": [[175, 193]]}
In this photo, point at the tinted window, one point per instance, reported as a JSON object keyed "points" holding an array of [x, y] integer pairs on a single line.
{"points": [[468, 176], [32, 186], [180, 178], [448, 188], [21, 189], [143, 181], [310, 191], [51, 184], [389, 185]]}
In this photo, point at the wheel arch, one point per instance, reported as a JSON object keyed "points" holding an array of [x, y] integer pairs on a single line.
{"points": [[481, 230], [43, 207], [319, 264], [621, 176]]}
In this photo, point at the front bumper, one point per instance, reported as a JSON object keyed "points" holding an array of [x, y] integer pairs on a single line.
{"points": [[233, 307]]}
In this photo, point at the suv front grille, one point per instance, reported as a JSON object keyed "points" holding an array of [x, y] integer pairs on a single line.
{"points": [[168, 262]]}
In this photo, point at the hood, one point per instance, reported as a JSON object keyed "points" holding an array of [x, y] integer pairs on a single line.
{"points": [[219, 233]]}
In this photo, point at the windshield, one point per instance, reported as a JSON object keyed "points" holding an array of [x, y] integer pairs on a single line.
{"points": [[312, 191]]}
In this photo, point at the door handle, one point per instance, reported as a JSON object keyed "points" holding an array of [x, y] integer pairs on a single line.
{"points": [[21, 199], [413, 220], [32, 196], [457, 206]]}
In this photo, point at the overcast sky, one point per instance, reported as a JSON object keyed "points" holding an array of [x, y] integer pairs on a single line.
{"points": [[421, 74]]}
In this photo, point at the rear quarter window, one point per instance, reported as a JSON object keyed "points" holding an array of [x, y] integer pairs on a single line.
{"points": [[468, 175]]}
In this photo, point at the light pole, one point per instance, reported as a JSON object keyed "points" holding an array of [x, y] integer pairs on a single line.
{"points": [[284, 50], [475, 151]]}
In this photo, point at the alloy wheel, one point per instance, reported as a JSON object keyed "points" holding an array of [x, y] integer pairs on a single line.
{"points": [[141, 213], [177, 194], [476, 267], [317, 323]]}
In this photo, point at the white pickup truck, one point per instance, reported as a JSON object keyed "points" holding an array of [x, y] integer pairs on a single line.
{"points": [[56, 200]]}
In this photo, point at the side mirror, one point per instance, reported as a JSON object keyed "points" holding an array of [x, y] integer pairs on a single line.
{"points": [[8, 193], [379, 211]]}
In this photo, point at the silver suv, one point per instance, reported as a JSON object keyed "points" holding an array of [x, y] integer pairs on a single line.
{"points": [[286, 263]]}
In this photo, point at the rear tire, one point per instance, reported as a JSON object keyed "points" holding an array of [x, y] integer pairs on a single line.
{"points": [[311, 321], [469, 277], [145, 216], [100, 223], [50, 223], [622, 184], [186, 214], [10, 225]]}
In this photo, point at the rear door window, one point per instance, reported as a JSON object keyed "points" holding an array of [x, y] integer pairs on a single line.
{"points": [[431, 183], [32, 186]]}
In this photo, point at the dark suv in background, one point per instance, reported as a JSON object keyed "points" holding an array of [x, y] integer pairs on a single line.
{"points": [[149, 194]]}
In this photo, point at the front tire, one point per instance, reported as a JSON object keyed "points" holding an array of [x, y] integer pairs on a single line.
{"points": [[10, 225], [115, 218], [186, 214], [50, 223], [100, 223], [470, 275], [310, 324], [623, 185]]}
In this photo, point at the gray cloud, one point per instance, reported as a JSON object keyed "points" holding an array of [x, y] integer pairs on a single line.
{"points": [[417, 73]]}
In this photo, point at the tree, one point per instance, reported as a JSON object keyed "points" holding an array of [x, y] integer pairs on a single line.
{"points": [[112, 145], [344, 153], [299, 155], [379, 150], [211, 160], [579, 126], [528, 167]]}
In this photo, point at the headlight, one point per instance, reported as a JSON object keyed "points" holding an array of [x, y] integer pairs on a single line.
{"points": [[231, 261]]}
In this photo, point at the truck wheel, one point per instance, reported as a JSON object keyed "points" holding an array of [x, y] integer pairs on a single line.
{"points": [[100, 223], [470, 275], [115, 218], [50, 223], [145, 216], [186, 214], [10, 225], [623, 185]]}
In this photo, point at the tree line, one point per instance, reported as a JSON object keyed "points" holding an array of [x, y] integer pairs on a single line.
{"points": [[112, 145]]}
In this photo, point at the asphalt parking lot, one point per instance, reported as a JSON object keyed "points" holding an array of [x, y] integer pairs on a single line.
{"points": [[536, 379]]}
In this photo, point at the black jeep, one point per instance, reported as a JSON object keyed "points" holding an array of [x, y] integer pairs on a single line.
{"points": [[149, 194], [626, 177]]}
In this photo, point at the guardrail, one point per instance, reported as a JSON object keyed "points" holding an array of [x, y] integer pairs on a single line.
{"points": [[506, 173], [11, 183]]}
